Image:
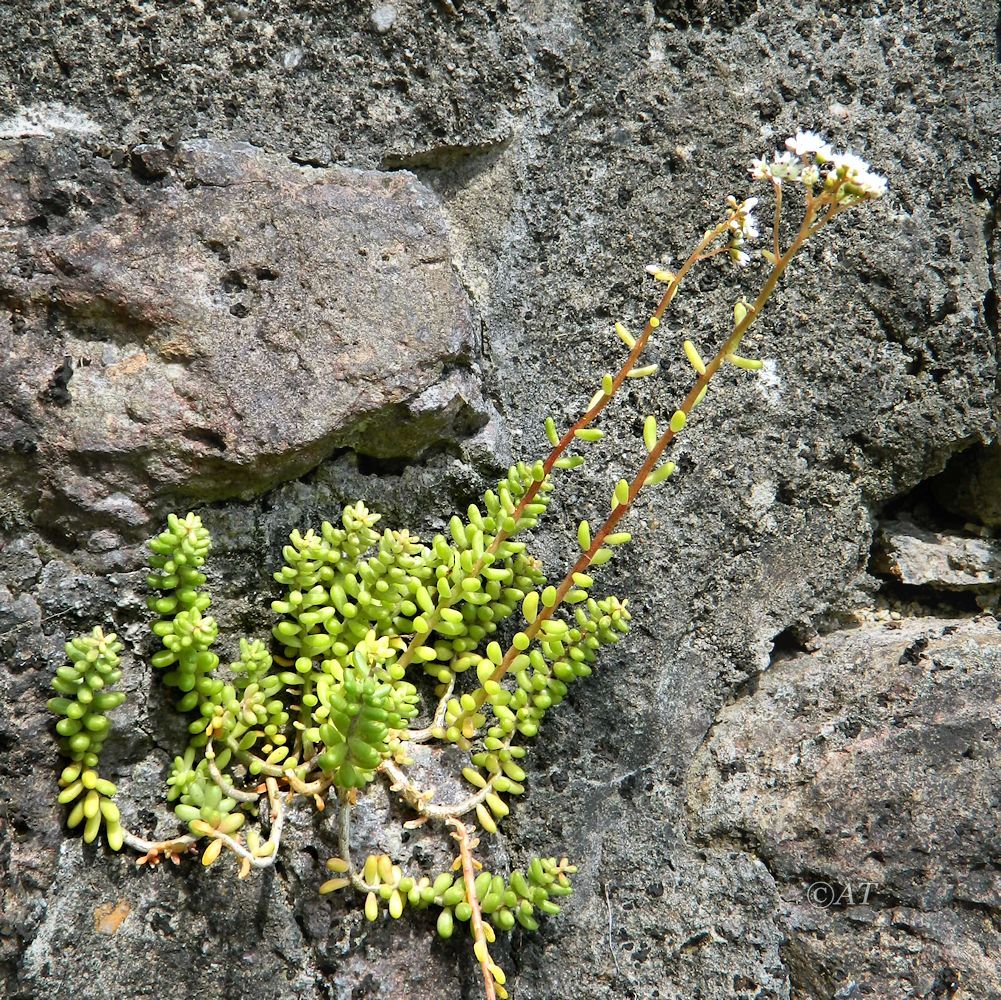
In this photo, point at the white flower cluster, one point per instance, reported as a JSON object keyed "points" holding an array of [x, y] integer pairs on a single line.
{"points": [[809, 160]]}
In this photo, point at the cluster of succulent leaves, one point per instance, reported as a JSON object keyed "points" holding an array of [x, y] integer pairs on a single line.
{"points": [[504, 903], [366, 622], [327, 704], [83, 701]]}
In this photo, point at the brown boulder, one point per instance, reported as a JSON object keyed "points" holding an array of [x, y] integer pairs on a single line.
{"points": [[217, 320]]}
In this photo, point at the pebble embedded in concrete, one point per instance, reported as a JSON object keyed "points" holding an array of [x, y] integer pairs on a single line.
{"points": [[383, 17]]}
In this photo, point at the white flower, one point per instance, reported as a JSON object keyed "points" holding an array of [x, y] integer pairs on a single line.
{"points": [[809, 143], [856, 176], [739, 258], [876, 185], [743, 206], [845, 164], [808, 159], [742, 221], [787, 166]]}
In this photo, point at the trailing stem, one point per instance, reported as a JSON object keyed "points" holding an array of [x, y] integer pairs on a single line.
{"points": [[487, 967]]}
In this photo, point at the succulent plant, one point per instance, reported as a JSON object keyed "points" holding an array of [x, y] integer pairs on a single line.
{"points": [[370, 623]]}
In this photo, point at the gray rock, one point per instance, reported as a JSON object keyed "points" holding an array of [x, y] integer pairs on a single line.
{"points": [[864, 777], [222, 331], [942, 560], [569, 145]]}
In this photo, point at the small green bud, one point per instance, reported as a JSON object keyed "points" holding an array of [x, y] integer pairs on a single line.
{"points": [[551, 432], [694, 358], [424, 600], [474, 777], [659, 475], [650, 432], [485, 819], [530, 606], [482, 884], [625, 336], [497, 805], [115, 835], [445, 924], [442, 883], [455, 893], [747, 364]]}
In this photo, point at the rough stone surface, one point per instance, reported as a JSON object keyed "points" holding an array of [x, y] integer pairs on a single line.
{"points": [[864, 777], [215, 321], [569, 145], [942, 560]]}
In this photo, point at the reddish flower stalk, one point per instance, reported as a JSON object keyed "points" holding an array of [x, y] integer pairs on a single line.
{"points": [[819, 211], [586, 418]]}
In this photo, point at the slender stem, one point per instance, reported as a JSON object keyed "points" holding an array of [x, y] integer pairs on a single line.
{"points": [[246, 757], [476, 919], [153, 848], [423, 735], [225, 786], [777, 186], [269, 770], [806, 230], [344, 846], [316, 787], [715, 253], [420, 800], [835, 209], [586, 418], [177, 845], [267, 853]]}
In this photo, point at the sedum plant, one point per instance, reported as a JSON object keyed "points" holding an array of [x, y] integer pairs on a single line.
{"points": [[371, 623]]}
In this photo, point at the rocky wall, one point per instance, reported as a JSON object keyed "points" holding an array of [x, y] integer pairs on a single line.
{"points": [[261, 260]]}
